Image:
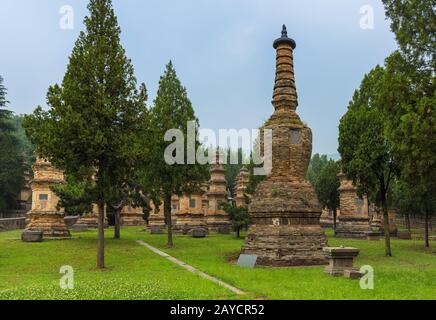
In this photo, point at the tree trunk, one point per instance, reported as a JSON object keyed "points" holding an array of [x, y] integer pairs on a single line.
{"points": [[238, 232], [385, 219], [167, 213], [427, 218], [117, 233], [100, 238], [335, 215]]}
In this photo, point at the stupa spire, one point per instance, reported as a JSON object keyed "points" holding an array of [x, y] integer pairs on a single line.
{"points": [[285, 92]]}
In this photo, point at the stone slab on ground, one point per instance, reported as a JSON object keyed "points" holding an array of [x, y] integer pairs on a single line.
{"points": [[157, 229], [79, 227], [32, 236], [199, 233], [340, 259], [247, 261], [373, 236], [352, 274], [404, 235]]}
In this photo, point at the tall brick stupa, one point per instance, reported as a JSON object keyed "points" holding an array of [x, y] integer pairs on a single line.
{"points": [[285, 213]]}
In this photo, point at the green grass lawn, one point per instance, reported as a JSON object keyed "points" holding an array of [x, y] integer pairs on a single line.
{"points": [[31, 271]]}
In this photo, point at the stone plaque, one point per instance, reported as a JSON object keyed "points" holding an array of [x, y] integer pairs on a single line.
{"points": [[358, 202], [295, 136], [247, 261]]}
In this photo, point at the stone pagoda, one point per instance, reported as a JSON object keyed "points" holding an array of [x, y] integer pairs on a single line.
{"points": [[353, 219], [241, 187], [156, 219], [132, 216], [190, 214], [217, 219], [285, 213], [44, 215]]}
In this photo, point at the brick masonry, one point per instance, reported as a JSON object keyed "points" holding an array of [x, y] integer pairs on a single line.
{"points": [[285, 212]]}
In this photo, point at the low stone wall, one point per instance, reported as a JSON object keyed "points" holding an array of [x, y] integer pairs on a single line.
{"points": [[12, 214], [415, 222], [12, 224]]}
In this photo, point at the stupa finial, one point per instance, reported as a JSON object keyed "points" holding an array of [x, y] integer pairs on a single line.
{"points": [[284, 39], [284, 32]]}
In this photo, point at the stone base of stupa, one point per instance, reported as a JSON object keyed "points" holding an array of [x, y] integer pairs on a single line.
{"points": [[90, 221], [131, 220], [326, 221], [186, 222], [285, 228], [286, 245], [352, 227], [219, 223], [156, 224], [51, 224]]}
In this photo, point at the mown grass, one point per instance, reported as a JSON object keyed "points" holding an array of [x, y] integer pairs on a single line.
{"points": [[31, 271], [410, 274]]}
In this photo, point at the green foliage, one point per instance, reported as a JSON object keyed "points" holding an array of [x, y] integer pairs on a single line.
{"points": [[5, 114], [97, 113], [11, 158], [413, 22], [366, 151], [232, 170], [74, 196], [317, 163], [239, 216], [27, 148], [254, 180], [172, 109], [96, 122], [327, 185]]}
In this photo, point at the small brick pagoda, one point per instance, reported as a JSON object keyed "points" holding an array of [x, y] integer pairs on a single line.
{"points": [[44, 215], [132, 216], [190, 214], [217, 219], [241, 187], [353, 219], [285, 212]]}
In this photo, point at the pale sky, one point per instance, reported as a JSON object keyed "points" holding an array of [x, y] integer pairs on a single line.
{"points": [[221, 49]]}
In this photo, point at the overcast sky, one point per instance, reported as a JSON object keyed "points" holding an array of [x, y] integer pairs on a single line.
{"points": [[221, 49]]}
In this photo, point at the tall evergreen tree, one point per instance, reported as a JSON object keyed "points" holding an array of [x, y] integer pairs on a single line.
{"points": [[96, 114], [11, 158], [316, 164], [366, 152], [232, 169], [171, 110], [407, 93], [326, 187]]}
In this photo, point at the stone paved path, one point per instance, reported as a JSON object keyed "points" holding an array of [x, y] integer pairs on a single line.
{"points": [[191, 268]]}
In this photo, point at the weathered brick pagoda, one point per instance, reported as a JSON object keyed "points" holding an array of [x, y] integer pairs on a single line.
{"points": [[353, 219], [217, 219], [132, 216], [44, 215], [241, 187], [190, 214], [285, 212]]}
